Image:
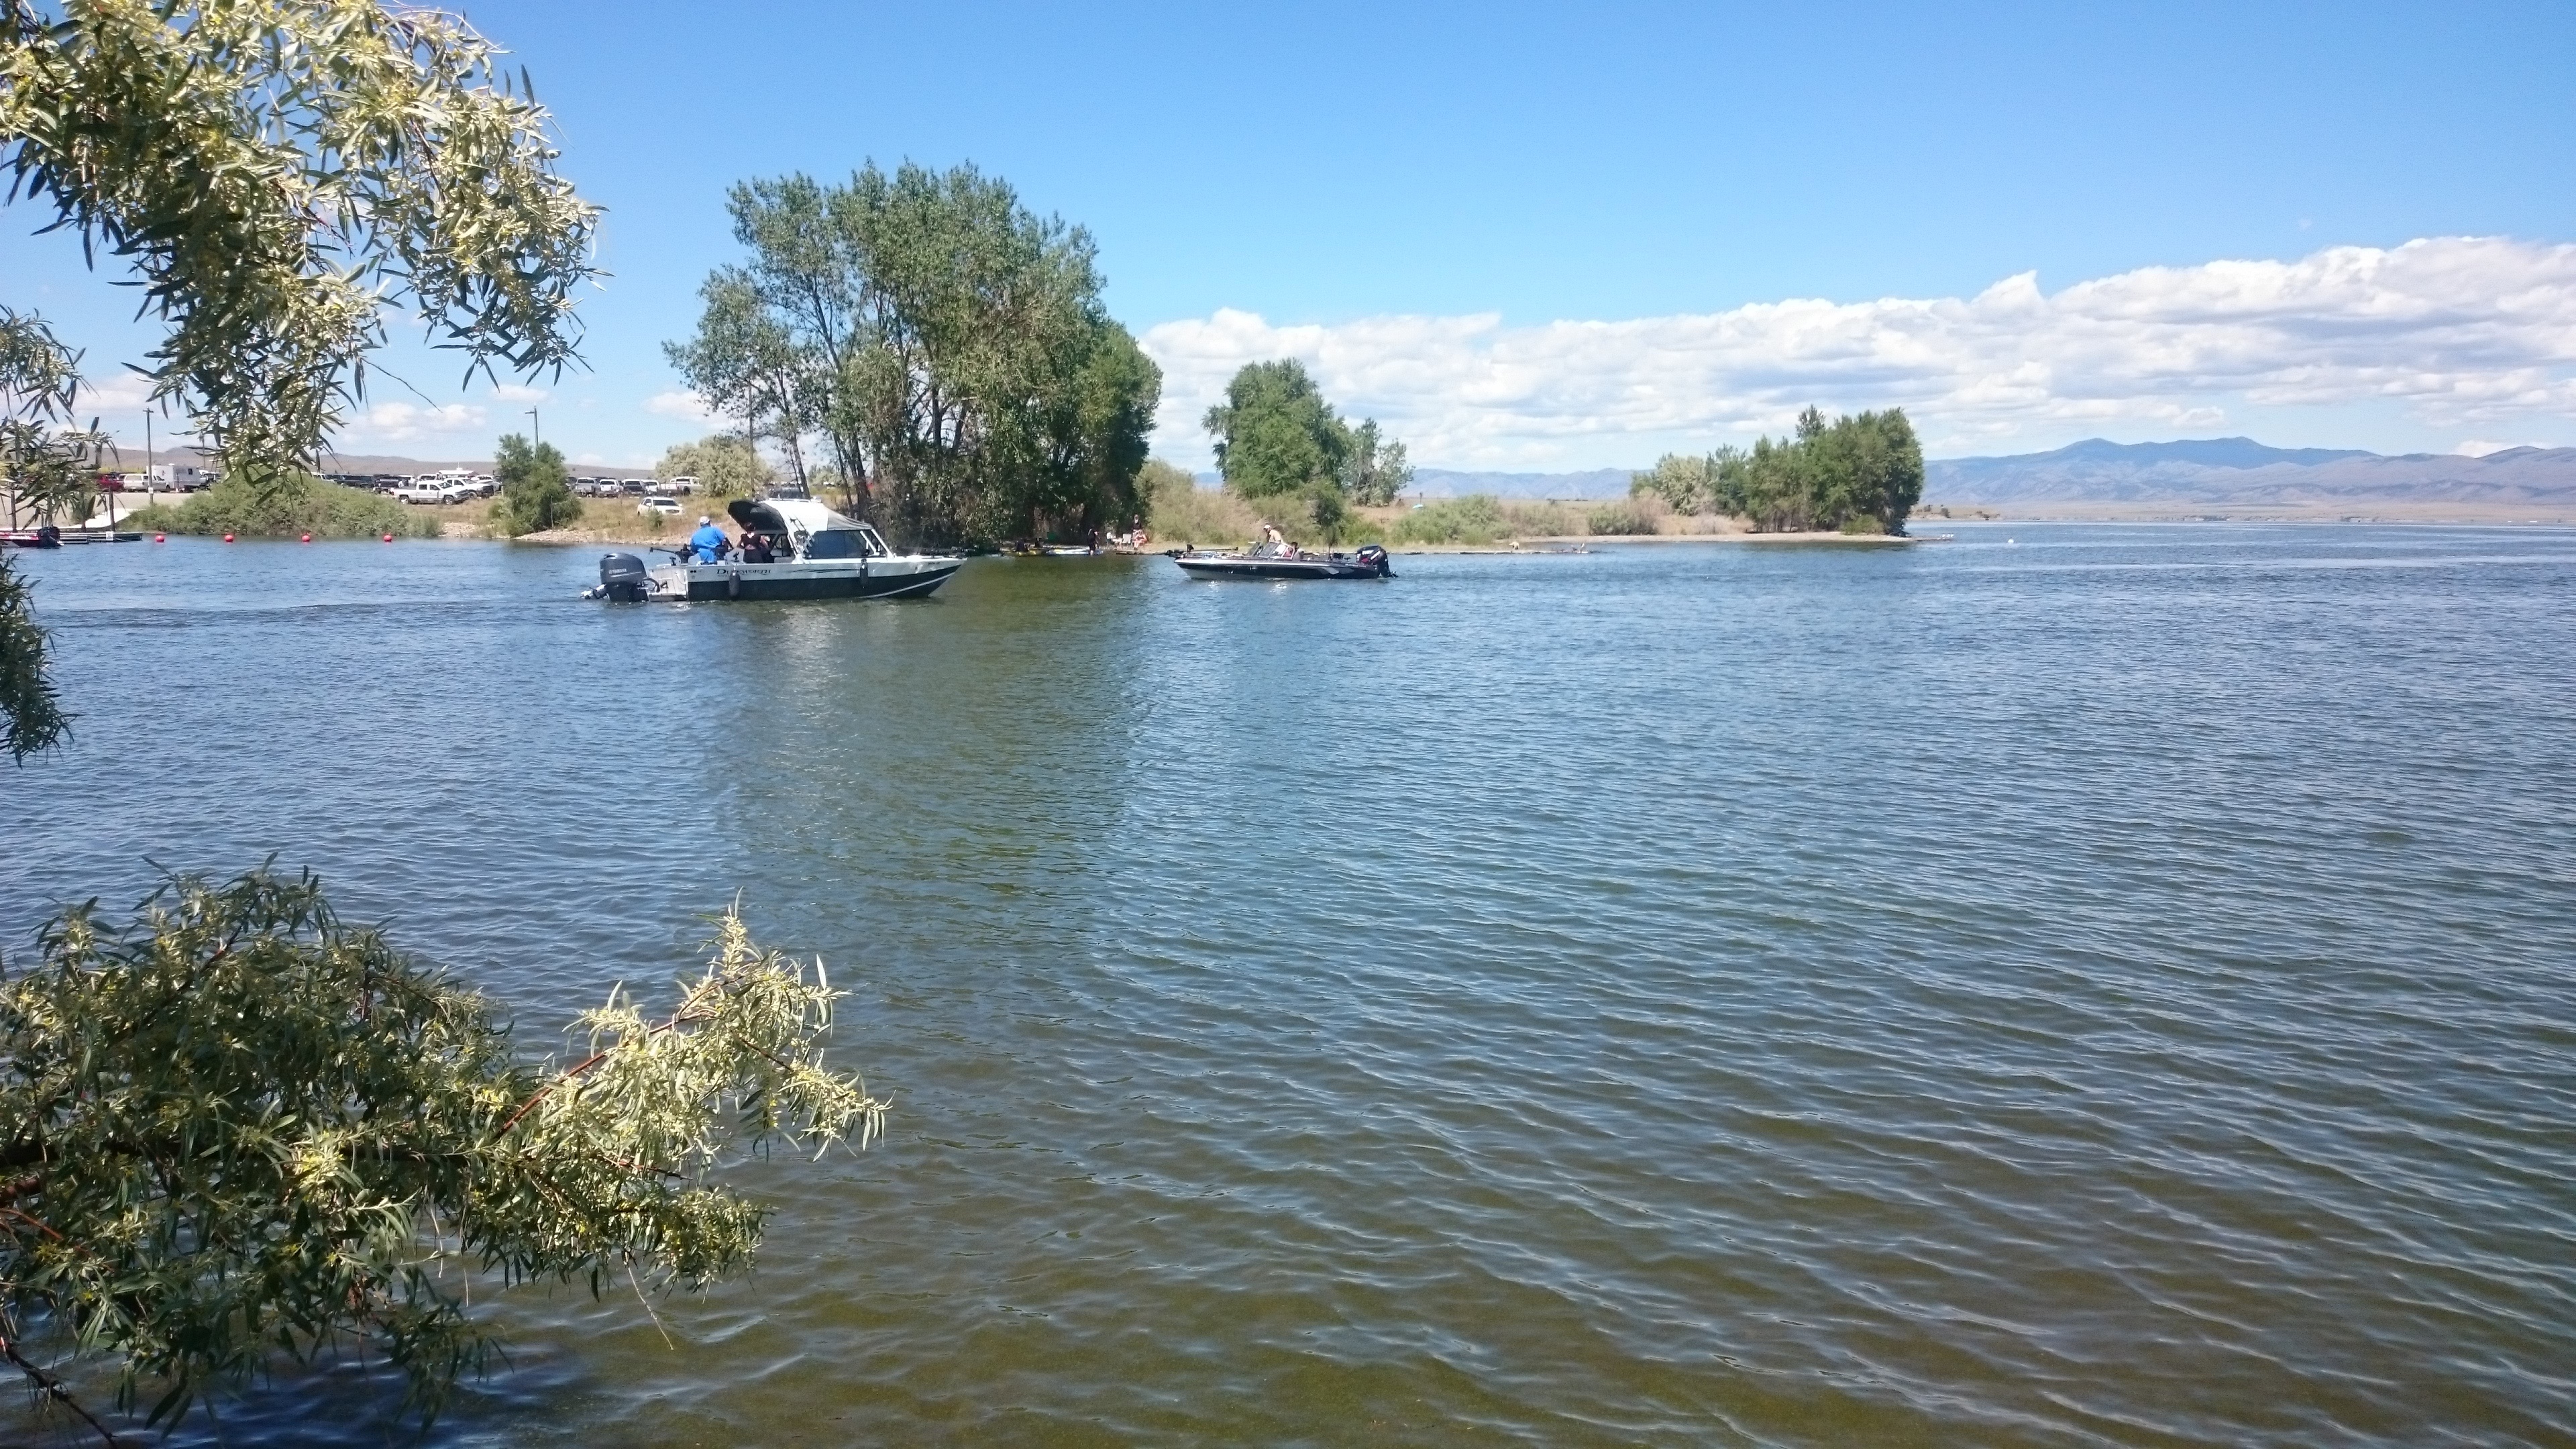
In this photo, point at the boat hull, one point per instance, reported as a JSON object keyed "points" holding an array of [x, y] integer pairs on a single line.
{"points": [[882, 578], [1278, 568]]}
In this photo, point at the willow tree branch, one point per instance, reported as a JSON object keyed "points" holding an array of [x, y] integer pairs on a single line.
{"points": [[52, 1388]]}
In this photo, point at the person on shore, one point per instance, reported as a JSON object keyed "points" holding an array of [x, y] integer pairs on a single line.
{"points": [[709, 542]]}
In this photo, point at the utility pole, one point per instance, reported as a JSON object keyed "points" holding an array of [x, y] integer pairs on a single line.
{"points": [[536, 439]]}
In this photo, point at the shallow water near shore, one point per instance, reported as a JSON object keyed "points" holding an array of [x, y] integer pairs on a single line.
{"points": [[2065, 985]]}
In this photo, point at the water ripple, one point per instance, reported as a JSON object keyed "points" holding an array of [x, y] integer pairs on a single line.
{"points": [[2110, 989]]}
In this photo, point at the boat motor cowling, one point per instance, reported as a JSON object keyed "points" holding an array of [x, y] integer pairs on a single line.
{"points": [[621, 578], [1375, 557]]}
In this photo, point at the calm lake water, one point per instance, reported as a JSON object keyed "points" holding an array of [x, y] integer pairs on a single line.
{"points": [[2068, 985]]}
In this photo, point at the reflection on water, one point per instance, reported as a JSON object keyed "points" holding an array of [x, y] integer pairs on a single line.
{"points": [[2113, 988]]}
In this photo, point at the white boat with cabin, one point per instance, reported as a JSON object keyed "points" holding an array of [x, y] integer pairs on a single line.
{"points": [[813, 553]]}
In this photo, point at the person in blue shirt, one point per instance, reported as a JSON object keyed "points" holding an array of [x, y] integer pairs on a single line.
{"points": [[709, 542]]}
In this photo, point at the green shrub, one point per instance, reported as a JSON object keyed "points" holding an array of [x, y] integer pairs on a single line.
{"points": [[1204, 516], [726, 465], [1481, 518], [534, 493], [1864, 527], [1627, 515], [1540, 520], [1476, 518], [294, 504]]}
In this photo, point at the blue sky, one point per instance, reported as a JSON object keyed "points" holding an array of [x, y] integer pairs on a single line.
{"points": [[1495, 225]]}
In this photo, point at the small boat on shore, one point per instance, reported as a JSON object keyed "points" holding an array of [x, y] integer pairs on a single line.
{"points": [[1369, 562], [814, 553]]}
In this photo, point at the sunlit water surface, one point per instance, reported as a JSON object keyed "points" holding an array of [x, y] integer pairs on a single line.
{"points": [[2068, 985]]}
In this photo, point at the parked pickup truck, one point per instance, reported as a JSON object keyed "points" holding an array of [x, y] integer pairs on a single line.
{"points": [[433, 490]]}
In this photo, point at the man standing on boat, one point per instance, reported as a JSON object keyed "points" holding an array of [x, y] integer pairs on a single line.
{"points": [[709, 542]]}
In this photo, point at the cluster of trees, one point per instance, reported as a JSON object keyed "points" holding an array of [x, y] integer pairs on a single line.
{"points": [[1857, 474], [231, 1128], [948, 346], [1278, 442]]}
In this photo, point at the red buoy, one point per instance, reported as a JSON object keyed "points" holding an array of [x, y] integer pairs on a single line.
{"points": [[228, 538], [389, 538], [160, 538], [308, 538]]}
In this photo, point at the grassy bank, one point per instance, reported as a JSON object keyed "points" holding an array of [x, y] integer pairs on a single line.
{"points": [[289, 509], [1217, 518]]}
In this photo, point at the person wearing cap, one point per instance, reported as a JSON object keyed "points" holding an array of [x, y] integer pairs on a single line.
{"points": [[709, 542]]}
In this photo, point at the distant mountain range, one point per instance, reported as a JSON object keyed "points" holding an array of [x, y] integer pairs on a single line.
{"points": [[2244, 472], [2191, 472], [1450, 483]]}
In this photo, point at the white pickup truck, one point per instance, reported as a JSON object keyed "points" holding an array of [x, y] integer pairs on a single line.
{"points": [[433, 490]]}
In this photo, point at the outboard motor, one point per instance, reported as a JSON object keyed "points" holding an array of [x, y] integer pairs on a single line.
{"points": [[1375, 557], [621, 579]]}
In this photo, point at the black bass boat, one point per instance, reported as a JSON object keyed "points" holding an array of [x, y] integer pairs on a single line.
{"points": [[1290, 562], [807, 552]]}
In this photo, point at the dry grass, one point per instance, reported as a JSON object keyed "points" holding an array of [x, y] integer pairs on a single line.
{"points": [[1202, 517]]}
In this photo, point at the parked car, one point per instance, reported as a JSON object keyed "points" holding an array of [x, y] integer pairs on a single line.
{"points": [[431, 490], [684, 485], [667, 507]]}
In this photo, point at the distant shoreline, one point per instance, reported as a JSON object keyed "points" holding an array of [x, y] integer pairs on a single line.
{"points": [[2172, 512]]}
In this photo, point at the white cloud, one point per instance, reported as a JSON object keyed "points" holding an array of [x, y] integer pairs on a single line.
{"points": [[682, 404], [2451, 331], [512, 392], [118, 400], [402, 422]]}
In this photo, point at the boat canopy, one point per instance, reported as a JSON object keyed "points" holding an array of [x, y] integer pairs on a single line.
{"points": [[781, 515]]}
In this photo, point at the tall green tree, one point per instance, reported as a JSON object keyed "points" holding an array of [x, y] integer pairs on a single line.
{"points": [[949, 344], [535, 493], [1275, 434], [746, 361], [1279, 442], [1376, 469]]}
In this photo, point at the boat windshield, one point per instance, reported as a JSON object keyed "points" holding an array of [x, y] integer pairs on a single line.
{"points": [[876, 544], [834, 543]]}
